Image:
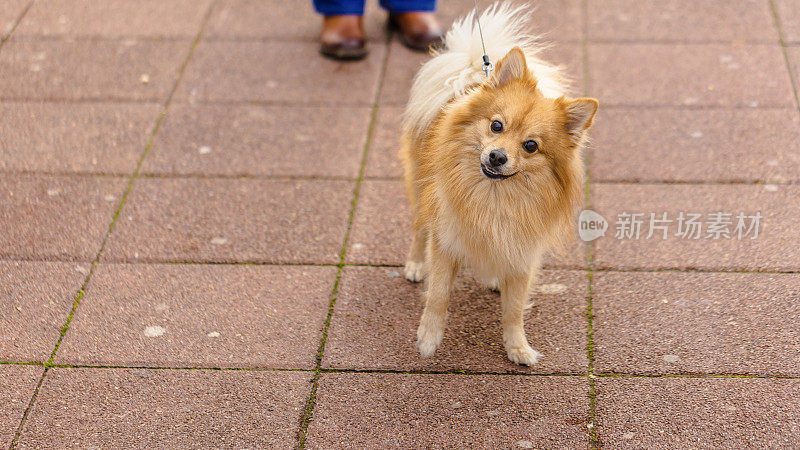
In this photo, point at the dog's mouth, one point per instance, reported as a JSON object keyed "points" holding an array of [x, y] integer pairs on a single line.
{"points": [[495, 175]]}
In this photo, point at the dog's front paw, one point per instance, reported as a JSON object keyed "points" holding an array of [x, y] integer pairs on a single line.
{"points": [[429, 336], [524, 355], [492, 284], [415, 270]]}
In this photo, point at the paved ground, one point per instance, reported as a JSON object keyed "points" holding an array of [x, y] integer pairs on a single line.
{"points": [[202, 226]]}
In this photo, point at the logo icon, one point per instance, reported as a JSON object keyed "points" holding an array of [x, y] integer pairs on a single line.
{"points": [[591, 225]]}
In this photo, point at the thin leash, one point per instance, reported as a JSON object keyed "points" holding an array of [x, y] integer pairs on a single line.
{"points": [[487, 65]]}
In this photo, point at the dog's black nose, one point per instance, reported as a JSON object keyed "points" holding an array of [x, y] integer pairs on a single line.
{"points": [[497, 158]]}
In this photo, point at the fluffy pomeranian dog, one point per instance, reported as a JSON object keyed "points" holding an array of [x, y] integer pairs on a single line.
{"points": [[493, 169]]}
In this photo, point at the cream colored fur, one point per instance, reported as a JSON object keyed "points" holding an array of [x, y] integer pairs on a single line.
{"points": [[452, 72]]}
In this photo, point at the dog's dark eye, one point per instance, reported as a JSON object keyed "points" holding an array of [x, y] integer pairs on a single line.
{"points": [[530, 146], [496, 126]]}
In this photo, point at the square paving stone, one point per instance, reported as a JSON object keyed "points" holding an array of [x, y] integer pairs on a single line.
{"points": [[36, 298], [200, 315], [226, 220], [665, 413], [84, 137], [279, 72], [674, 144], [381, 232], [689, 74], [10, 13], [17, 384], [57, 217], [774, 248], [383, 159], [254, 140], [374, 325], [671, 322], [113, 18], [793, 53], [435, 411], [142, 408], [255, 19], [404, 64], [682, 20], [90, 69], [789, 18]]}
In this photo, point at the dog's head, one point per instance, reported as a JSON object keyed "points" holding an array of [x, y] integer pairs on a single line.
{"points": [[516, 130], [506, 143]]}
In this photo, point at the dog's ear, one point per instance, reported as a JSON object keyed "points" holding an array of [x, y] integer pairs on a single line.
{"points": [[579, 113], [511, 67]]}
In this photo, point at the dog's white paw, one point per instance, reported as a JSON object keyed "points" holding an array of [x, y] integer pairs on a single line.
{"points": [[429, 336], [524, 355], [491, 284], [415, 271]]}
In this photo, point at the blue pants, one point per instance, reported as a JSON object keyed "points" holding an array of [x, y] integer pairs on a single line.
{"points": [[356, 7]]}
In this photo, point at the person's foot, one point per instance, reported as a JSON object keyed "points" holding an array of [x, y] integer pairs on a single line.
{"points": [[343, 38], [418, 30]]}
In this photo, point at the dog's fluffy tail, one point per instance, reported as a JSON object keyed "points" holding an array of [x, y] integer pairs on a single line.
{"points": [[458, 67]]}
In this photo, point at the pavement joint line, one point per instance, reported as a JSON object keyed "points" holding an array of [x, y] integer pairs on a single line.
{"points": [[591, 421], [730, 182], [592, 394], [218, 263], [110, 100], [78, 101], [688, 270], [547, 267], [692, 183], [177, 101], [180, 176], [76, 301], [697, 375], [43, 173], [606, 374], [88, 100], [308, 410], [28, 409], [389, 104], [7, 35], [85, 284], [702, 107], [782, 41], [300, 39], [284, 103], [687, 42], [696, 107], [268, 177], [248, 177], [62, 37]]}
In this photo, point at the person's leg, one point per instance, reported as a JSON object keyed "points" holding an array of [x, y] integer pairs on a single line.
{"points": [[339, 7], [419, 29], [342, 29], [403, 6]]}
